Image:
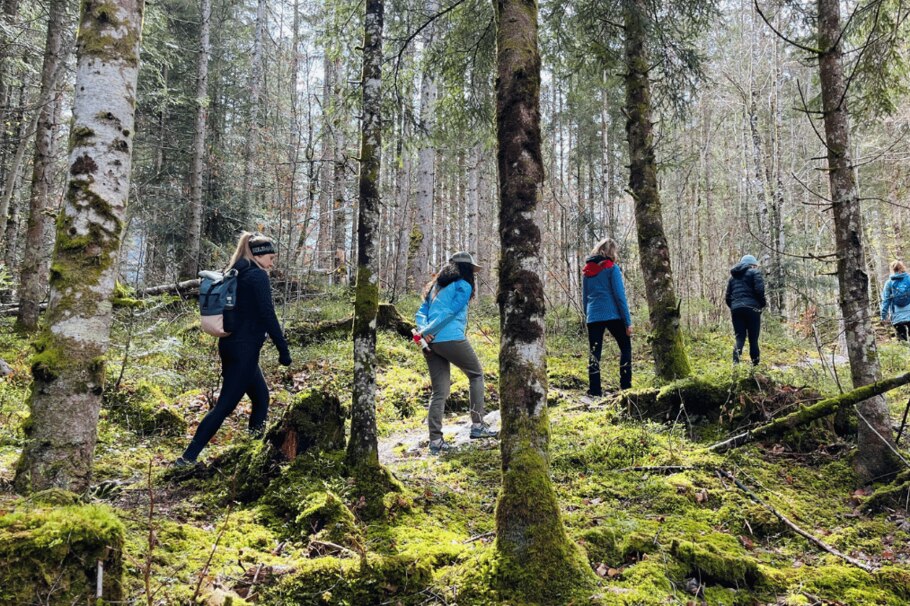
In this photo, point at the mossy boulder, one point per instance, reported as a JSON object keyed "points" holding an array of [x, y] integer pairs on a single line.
{"points": [[327, 518], [718, 559], [52, 555], [144, 409]]}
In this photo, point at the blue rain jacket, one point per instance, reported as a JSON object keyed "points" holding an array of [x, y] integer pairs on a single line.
{"points": [[889, 308], [444, 313], [603, 292]]}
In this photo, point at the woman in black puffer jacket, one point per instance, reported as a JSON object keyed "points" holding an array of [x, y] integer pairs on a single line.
{"points": [[248, 323], [746, 300]]}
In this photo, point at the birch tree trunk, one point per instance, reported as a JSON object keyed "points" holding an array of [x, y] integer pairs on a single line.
{"points": [[34, 269], [670, 357], [326, 169], [537, 561], [68, 368], [190, 265], [338, 185], [875, 457]]}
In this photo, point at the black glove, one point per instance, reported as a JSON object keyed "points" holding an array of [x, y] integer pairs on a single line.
{"points": [[284, 358]]}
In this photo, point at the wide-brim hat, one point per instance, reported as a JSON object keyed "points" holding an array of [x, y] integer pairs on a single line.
{"points": [[464, 257]]}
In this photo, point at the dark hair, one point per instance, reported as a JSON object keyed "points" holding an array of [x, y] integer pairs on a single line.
{"points": [[452, 272]]}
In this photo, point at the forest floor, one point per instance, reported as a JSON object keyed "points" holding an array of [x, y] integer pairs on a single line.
{"points": [[659, 521]]}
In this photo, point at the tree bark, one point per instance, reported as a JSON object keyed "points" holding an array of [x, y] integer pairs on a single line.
{"points": [[875, 456], [537, 561], [34, 270], [338, 186], [190, 264], [670, 359], [68, 369], [423, 232], [362, 447], [326, 169], [250, 145]]}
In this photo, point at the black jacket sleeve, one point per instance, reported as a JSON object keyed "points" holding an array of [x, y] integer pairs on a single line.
{"points": [[266, 310], [758, 286], [729, 296]]}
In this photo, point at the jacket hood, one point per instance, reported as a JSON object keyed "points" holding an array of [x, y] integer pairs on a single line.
{"points": [[740, 269], [899, 276], [596, 264], [243, 265]]}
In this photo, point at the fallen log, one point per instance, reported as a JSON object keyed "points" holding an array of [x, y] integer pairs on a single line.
{"points": [[185, 288], [811, 413]]}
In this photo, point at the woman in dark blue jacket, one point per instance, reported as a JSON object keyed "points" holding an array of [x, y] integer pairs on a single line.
{"points": [[252, 318], [746, 300], [604, 298]]}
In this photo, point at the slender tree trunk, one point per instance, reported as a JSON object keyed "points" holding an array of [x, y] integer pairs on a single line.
{"points": [[473, 199], [372, 480], [326, 169], [875, 457], [34, 270], [423, 233], [190, 264], [68, 368], [538, 563], [338, 186], [255, 85], [670, 359]]}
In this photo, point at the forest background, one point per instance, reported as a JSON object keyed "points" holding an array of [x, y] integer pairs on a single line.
{"points": [[250, 115]]}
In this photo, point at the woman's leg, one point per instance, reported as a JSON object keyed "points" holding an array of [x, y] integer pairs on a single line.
{"points": [[754, 330], [739, 329], [258, 391], [595, 345], [617, 328], [461, 354], [440, 377], [234, 383]]}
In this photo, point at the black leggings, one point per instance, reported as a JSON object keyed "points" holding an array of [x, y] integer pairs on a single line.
{"points": [[241, 375], [596, 330], [746, 322]]}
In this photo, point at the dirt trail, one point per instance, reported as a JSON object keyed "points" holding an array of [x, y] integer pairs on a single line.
{"points": [[412, 443]]}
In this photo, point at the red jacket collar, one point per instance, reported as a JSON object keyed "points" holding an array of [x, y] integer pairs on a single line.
{"points": [[593, 268]]}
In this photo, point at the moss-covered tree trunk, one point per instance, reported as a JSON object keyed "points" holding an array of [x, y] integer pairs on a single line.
{"points": [[190, 262], [68, 368], [362, 447], [536, 563], [33, 273], [670, 358], [875, 456]]}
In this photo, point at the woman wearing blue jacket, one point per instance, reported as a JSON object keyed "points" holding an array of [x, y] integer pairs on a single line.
{"points": [[896, 300], [441, 321], [606, 309]]}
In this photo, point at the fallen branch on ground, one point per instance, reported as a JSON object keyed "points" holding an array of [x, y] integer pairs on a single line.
{"points": [[388, 318], [815, 541]]}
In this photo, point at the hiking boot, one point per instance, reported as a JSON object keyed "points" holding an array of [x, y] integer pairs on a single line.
{"points": [[182, 463], [439, 446], [482, 430]]}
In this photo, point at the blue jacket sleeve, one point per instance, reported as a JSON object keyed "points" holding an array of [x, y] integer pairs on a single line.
{"points": [[620, 291], [422, 317], [459, 300], [886, 300], [266, 309]]}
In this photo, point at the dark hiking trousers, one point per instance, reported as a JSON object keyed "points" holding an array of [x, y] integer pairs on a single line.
{"points": [[902, 329], [596, 331], [746, 323], [241, 375], [439, 360]]}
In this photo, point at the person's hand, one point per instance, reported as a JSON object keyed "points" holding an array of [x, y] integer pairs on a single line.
{"points": [[284, 358], [628, 331], [427, 338]]}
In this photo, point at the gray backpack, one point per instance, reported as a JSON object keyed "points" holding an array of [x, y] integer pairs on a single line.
{"points": [[217, 295]]}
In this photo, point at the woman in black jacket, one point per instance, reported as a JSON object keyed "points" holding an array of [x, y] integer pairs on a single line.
{"points": [[746, 300], [251, 319]]}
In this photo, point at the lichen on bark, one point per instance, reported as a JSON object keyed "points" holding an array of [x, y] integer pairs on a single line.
{"points": [[68, 367]]}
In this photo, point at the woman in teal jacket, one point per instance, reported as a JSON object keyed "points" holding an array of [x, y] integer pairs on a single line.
{"points": [[441, 321], [896, 300]]}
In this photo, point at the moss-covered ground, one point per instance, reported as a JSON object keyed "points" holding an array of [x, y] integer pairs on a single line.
{"points": [[653, 536]]}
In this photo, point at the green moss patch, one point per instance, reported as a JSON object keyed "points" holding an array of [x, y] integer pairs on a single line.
{"points": [[143, 408]]}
